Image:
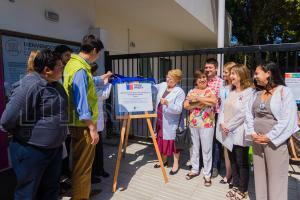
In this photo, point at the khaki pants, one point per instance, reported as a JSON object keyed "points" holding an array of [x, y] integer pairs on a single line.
{"points": [[83, 154], [271, 165]]}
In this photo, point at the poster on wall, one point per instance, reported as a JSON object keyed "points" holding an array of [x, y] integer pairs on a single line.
{"points": [[15, 52], [292, 80]]}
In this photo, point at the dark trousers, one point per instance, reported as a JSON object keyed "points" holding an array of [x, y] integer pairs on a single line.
{"points": [[37, 171], [240, 167], [98, 166], [217, 149], [65, 164]]}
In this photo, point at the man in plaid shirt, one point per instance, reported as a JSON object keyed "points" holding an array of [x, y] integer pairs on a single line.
{"points": [[215, 83]]}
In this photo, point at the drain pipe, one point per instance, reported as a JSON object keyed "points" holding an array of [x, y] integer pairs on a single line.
{"points": [[221, 30]]}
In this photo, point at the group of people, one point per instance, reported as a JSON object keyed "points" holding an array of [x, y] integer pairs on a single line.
{"points": [[55, 115], [244, 111]]}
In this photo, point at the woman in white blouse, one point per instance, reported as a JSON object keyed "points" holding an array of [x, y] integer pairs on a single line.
{"points": [[224, 93], [271, 119], [233, 127]]}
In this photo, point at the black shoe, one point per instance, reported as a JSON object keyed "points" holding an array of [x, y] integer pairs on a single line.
{"points": [[95, 192], [222, 181], [173, 173], [230, 185], [65, 183], [95, 180], [105, 174], [158, 165]]}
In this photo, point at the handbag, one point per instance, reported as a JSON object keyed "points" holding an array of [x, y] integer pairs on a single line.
{"points": [[183, 139], [294, 146]]}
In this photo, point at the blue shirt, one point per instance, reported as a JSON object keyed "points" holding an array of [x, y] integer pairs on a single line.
{"points": [[79, 89]]}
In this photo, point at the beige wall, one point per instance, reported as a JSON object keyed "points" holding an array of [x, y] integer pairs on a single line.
{"points": [[123, 28], [76, 19], [27, 16], [145, 39]]}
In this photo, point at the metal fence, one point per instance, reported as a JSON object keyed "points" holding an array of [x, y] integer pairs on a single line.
{"points": [[157, 64]]}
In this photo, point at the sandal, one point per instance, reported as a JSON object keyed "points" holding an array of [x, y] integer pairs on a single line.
{"points": [[241, 195], [231, 193], [158, 165], [222, 181], [207, 183], [191, 175]]}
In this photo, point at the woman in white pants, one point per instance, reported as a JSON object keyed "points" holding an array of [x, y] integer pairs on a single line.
{"points": [[200, 102]]}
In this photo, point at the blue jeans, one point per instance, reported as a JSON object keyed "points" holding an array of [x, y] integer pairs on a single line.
{"points": [[37, 171]]}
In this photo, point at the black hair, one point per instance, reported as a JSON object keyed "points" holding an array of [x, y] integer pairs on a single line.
{"points": [[44, 58], [90, 42], [60, 49], [275, 78], [94, 67], [199, 74], [212, 61]]}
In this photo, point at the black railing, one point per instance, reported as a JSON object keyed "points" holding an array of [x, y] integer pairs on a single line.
{"points": [[156, 64]]}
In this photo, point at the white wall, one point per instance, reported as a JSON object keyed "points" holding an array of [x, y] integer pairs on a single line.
{"points": [[145, 39], [27, 16], [204, 10]]}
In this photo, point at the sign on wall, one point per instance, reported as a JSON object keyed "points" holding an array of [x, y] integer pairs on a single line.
{"points": [[15, 52], [292, 80]]}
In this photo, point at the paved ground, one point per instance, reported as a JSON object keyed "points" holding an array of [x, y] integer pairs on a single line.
{"points": [[139, 180]]}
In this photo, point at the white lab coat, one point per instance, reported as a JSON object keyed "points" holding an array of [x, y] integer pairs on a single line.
{"points": [[103, 92], [284, 109], [171, 113]]}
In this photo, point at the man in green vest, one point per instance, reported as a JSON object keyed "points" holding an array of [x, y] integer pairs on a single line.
{"points": [[83, 113]]}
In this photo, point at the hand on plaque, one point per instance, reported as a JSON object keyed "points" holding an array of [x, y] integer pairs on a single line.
{"points": [[106, 77]]}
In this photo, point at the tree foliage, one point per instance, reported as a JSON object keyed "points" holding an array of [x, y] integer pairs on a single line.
{"points": [[265, 21]]}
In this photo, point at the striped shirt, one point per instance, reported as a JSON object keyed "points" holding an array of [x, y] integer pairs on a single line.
{"points": [[215, 84]]}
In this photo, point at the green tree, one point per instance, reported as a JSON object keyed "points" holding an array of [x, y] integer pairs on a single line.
{"points": [[264, 21]]}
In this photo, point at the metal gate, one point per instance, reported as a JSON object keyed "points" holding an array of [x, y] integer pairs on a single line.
{"points": [[156, 64]]}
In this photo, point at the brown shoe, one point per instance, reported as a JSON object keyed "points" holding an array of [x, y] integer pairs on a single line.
{"points": [[191, 175], [207, 182]]}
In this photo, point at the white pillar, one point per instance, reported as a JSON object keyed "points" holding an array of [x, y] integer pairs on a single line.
{"points": [[221, 30]]}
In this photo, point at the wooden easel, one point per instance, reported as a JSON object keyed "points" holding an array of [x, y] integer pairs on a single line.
{"points": [[124, 135]]}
